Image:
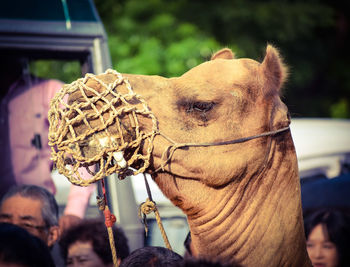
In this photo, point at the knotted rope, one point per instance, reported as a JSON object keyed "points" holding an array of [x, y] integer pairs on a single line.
{"points": [[150, 206]]}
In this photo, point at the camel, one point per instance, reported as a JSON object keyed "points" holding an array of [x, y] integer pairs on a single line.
{"points": [[241, 199]]}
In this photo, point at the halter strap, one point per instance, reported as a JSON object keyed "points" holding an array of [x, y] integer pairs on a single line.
{"points": [[171, 148]]}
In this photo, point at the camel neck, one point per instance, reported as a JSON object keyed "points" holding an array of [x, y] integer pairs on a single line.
{"points": [[258, 216]]}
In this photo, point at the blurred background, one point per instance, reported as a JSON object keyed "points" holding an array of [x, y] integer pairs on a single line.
{"points": [[168, 37]]}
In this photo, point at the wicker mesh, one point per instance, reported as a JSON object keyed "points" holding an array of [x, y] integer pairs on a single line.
{"points": [[94, 122]]}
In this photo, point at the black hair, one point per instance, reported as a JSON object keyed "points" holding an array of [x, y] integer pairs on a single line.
{"points": [[17, 246], [199, 262], [152, 257], [95, 231], [337, 224]]}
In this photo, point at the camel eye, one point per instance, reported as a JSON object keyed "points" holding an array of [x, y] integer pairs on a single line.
{"points": [[200, 107], [203, 106]]}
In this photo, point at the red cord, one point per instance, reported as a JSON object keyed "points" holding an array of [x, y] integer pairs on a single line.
{"points": [[110, 219]]}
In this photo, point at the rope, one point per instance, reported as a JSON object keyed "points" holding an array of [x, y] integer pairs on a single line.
{"points": [[169, 151], [111, 238], [110, 219], [146, 208]]}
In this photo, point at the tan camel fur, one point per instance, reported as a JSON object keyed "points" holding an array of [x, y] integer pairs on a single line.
{"points": [[242, 200]]}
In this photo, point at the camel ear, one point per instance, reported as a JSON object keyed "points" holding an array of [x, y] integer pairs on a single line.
{"points": [[273, 68], [224, 53]]}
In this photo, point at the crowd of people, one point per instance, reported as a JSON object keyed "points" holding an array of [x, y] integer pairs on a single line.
{"points": [[30, 236], [30, 232]]}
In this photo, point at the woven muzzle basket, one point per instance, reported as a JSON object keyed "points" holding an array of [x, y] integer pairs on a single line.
{"points": [[94, 124]]}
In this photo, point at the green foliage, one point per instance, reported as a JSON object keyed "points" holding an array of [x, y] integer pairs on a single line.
{"points": [[339, 109], [146, 41], [66, 71], [169, 37]]}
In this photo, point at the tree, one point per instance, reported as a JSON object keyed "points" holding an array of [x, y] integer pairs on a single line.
{"points": [[169, 37]]}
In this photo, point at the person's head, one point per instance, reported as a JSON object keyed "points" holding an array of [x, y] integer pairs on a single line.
{"points": [[32, 208], [18, 248], [198, 262], [151, 257], [87, 244], [328, 237]]}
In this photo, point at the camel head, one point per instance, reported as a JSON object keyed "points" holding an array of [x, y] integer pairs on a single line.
{"points": [[242, 199], [220, 100]]}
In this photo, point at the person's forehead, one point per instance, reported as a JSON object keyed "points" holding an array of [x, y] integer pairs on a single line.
{"points": [[80, 248], [22, 206], [319, 233]]}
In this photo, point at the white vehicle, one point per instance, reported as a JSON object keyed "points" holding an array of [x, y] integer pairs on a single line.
{"points": [[322, 146]]}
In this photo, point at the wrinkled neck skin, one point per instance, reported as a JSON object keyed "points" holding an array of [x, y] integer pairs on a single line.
{"points": [[256, 221]]}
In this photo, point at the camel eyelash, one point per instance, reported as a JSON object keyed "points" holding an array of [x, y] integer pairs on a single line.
{"points": [[202, 106], [196, 106]]}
